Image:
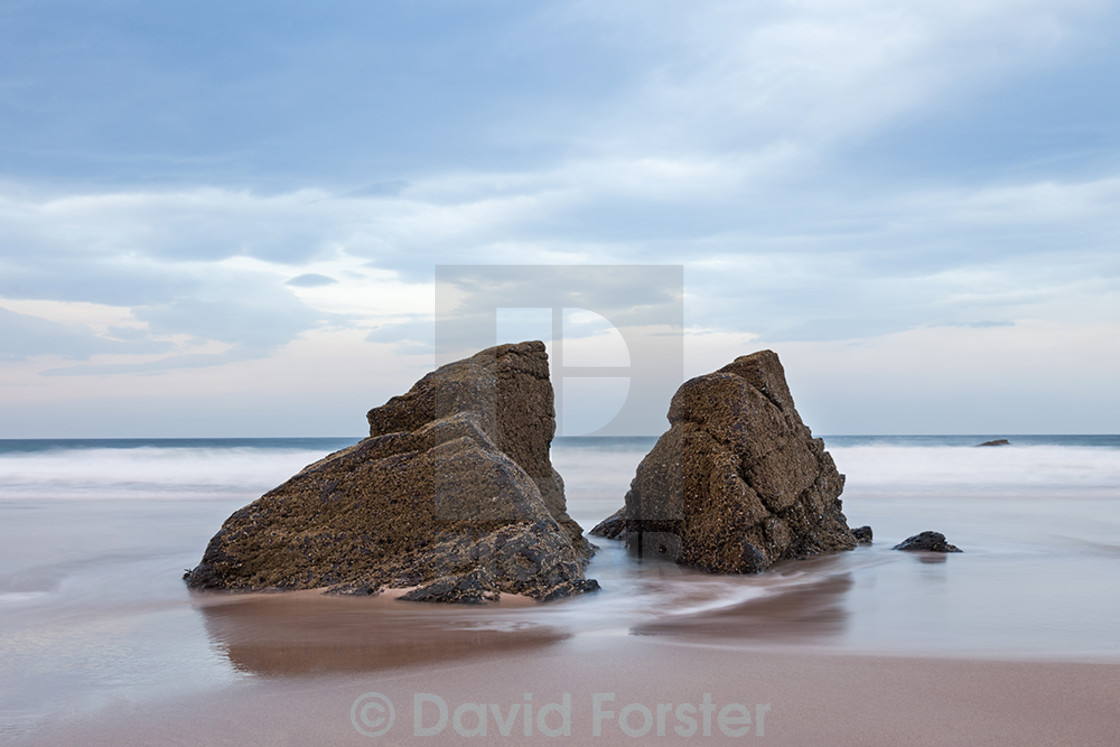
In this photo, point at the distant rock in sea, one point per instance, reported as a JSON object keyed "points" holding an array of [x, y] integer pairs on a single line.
{"points": [[863, 535], [453, 493], [996, 442], [738, 482], [926, 542]]}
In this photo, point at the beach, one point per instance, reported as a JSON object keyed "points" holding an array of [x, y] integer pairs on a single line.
{"points": [[1012, 641], [330, 333], [802, 698]]}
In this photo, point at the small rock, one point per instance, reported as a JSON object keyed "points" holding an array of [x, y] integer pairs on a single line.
{"points": [[477, 587], [926, 542], [612, 527], [996, 442], [862, 535], [570, 588]]}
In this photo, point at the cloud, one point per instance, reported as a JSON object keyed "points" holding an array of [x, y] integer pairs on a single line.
{"points": [[282, 100], [251, 324], [729, 76], [169, 363], [231, 318], [409, 337], [823, 265], [23, 336], [391, 188], [311, 280], [825, 170], [982, 379]]}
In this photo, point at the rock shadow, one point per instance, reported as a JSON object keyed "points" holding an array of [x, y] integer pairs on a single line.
{"points": [[304, 633]]}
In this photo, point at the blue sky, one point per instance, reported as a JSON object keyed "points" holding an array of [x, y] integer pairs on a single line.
{"points": [[222, 219]]}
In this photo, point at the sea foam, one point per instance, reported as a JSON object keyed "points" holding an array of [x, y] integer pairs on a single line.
{"points": [[1031, 468], [148, 472]]}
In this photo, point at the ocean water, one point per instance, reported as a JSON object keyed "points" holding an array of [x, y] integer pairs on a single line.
{"points": [[94, 537]]}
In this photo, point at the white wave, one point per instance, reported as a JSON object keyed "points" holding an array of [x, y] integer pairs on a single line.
{"points": [[591, 471], [148, 472], [893, 467], [176, 472], [915, 468]]}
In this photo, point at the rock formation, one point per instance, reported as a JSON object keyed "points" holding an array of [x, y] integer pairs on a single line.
{"points": [[453, 492], [996, 442], [863, 535], [738, 482], [926, 542]]}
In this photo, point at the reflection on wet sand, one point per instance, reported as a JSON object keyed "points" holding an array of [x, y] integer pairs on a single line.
{"points": [[298, 633], [815, 610]]}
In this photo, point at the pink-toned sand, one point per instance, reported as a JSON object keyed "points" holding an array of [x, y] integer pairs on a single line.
{"points": [[804, 698]]}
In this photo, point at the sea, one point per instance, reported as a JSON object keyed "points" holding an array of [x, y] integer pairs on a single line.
{"points": [[95, 536]]}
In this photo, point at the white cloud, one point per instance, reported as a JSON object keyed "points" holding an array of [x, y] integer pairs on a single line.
{"points": [[1012, 379], [908, 259], [720, 141], [321, 384], [1039, 203], [748, 75]]}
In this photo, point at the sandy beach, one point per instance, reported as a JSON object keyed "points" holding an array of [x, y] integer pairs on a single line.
{"points": [[330, 670], [612, 690], [559, 372], [1011, 642]]}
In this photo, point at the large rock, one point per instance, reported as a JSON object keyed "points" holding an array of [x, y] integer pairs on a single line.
{"points": [[453, 492], [738, 482]]}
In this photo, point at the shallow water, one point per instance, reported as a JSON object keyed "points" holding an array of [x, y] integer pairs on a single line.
{"points": [[96, 535]]}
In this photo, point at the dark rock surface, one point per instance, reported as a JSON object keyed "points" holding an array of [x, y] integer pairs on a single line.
{"points": [[996, 442], [863, 535], [926, 542], [453, 492], [738, 482], [477, 587]]}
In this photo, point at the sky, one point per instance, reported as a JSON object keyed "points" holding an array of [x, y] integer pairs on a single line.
{"points": [[225, 219]]}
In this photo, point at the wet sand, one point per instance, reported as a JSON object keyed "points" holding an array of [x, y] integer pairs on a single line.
{"points": [[295, 664], [812, 611], [791, 698], [308, 632], [1012, 642]]}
